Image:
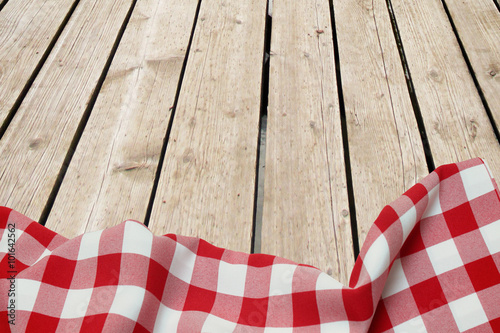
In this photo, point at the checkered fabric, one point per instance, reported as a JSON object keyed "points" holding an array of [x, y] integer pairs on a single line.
{"points": [[430, 263]]}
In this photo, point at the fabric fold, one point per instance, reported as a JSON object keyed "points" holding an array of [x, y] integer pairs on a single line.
{"points": [[430, 262]]}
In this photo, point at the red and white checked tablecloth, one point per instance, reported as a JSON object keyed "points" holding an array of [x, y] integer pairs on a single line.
{"points": [[430, 263]]}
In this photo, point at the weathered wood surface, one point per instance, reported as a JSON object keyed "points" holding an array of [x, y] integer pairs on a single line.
{"points": [[26, 30], [35, 144], [455, 120], [115, 163], [385, 147], [478, 25], [306, 208], [207, 183]]}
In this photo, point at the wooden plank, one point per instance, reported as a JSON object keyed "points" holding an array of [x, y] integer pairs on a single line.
{"points": [[386, 152], [478, 25], [26, 30], [35, 144], [455, 120], [116, 159], [306, 208], [207, 183]]}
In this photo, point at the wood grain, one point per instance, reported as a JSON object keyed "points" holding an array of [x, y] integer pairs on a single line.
{"points": [[26, 30], [386, 152], [455, 120], [207, 183], [115, 163], [478, 25], [35, 144], [306, 208]]}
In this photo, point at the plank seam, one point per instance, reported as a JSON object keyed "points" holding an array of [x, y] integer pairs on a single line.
{"points": [[83, 121], [471, 71], [261, 144], [411, 90], [161, 159], [36, 71], [345, 142], [3, 3]]}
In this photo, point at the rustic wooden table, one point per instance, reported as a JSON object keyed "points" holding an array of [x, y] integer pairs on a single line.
{"points": [[170, 112]]}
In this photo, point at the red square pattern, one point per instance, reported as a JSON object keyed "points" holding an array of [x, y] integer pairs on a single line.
{"points": [[199, 299], [108, 270], [440, 320], [37, 321], [416, 193], [43, 235], [401, 307], [206, 249], [386, 218], [362, 308], [460, 220], [452, 184], [254, 312], [434, 230], [483, 273], [446, 171], [471, 246], [428, 295], [456, 284], [174, 286], [414, 242], [490, 300], [227, 307], [257, 281], [59, 272], [279, 311], [305, 309], [330, 311], [486, 208], [157, 275], [381, 321], [417, 267]]}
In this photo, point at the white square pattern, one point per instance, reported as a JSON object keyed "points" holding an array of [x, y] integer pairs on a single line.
{"points": [[337, 327], [444, 256], [215, 324], [378, 257], [128, 301], [396, 281], [408, 221], [89, 245], [477, 181], [137, 239], [434, 205], [26, 292], [231, 279], [326, 282], [76, 303], [281, 279], [491, 235], [167, 320], [414, 325], [183, 263], [468, 312]]}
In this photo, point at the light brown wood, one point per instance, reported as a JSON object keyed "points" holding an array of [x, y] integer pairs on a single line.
{"points": [[35, 144], [385, 147], [26, 30], [455, 120], [306, 208], [115, 163], [207, 184], [478, 25]]}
